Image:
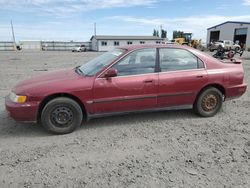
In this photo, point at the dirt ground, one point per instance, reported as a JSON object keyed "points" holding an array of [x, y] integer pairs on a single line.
{"points": [[160, 149]]}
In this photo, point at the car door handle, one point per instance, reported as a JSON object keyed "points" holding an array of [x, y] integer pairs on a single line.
{"points": [[199, 76], [148, 81]]}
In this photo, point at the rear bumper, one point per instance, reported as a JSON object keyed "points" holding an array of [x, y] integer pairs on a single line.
{"points": [[235, 91], [22, 112]]}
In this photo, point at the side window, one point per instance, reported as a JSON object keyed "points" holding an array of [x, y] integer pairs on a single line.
{"points": [[137, 62], [178, 59]]}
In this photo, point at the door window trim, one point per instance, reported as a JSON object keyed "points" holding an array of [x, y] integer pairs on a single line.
{"points": [[131, 75], [177, 71]]}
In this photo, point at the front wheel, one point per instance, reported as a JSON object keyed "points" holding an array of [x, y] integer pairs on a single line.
{"points": [[209, 102], [61, 115]]}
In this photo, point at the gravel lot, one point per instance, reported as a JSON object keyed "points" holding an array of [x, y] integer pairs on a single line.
{"points": [[160, 149]]}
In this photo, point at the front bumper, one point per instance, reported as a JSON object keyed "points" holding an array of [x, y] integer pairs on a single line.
{"points": [[22, 111]]}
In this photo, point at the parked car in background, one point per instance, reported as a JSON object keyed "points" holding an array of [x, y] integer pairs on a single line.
{"points": [[225, 44], [127, 79], [18, 47], [81, 48]]}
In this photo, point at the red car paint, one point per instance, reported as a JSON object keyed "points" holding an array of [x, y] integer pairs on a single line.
{"points": [[99, 95]]}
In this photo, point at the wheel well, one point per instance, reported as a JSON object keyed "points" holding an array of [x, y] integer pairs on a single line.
{"points": [[217, 86], [50, 97]]}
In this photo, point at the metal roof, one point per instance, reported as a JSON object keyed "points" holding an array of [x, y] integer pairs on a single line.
{"points": [[112, 37], [235, 22]]}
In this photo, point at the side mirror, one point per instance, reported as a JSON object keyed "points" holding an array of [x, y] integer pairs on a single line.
{"points": [[112, 72]]}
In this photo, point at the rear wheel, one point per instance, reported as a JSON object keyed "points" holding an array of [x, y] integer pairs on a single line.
{"points": [[209, 102], [61, 115]]}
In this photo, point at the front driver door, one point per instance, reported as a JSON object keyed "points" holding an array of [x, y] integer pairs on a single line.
{"points": [[134, 88]]}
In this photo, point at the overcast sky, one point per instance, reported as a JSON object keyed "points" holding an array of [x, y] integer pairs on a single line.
{"points": [[74, 19]]}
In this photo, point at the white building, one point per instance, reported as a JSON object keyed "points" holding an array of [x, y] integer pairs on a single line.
{"points": [[238, 32], [107, 42], [30, 44]]}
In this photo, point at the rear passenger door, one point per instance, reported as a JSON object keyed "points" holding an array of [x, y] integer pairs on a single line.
{"points": [[181, 76]]}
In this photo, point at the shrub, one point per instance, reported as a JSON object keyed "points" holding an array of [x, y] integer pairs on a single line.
{"points": [[248, 49]]}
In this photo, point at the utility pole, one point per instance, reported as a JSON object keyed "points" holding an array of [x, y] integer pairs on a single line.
{"points": [[166, 34], [96, 43], [95, 29], [13, 35], [161, 30]]}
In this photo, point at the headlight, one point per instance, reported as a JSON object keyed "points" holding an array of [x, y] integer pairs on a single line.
{"points": [[17, 98]]}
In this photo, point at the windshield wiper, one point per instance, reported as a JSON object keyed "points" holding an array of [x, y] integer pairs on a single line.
{"points": [[79, 71]]}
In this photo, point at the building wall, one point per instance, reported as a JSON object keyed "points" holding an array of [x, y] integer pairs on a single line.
{"points": [[110, 44], [31, 45], [248, 37], [94, 45], [227, 31]]}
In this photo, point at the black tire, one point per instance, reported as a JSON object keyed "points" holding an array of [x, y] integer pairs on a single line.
{"points": [[211, 50], [61, 115], [209, 102], [237, 49]]}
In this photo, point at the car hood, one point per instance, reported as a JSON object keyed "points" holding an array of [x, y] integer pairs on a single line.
{"points": [[53, 82]]}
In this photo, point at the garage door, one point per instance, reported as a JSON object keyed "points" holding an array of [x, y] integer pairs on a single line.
{"points": [[214, 36]]}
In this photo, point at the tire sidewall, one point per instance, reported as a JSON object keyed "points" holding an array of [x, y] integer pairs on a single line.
{"points": [[62, 101], [198, 104]]}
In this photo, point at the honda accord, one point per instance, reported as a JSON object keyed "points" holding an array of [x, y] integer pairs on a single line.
{"points": [[127, 79]]}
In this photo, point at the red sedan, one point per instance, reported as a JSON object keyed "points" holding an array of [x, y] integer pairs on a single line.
{"points": [[128, 79]]}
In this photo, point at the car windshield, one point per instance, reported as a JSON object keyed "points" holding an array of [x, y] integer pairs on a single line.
{"points": [[97, 64]]}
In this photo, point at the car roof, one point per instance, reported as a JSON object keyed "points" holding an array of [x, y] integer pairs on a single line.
{"points": [[143, 46]]}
